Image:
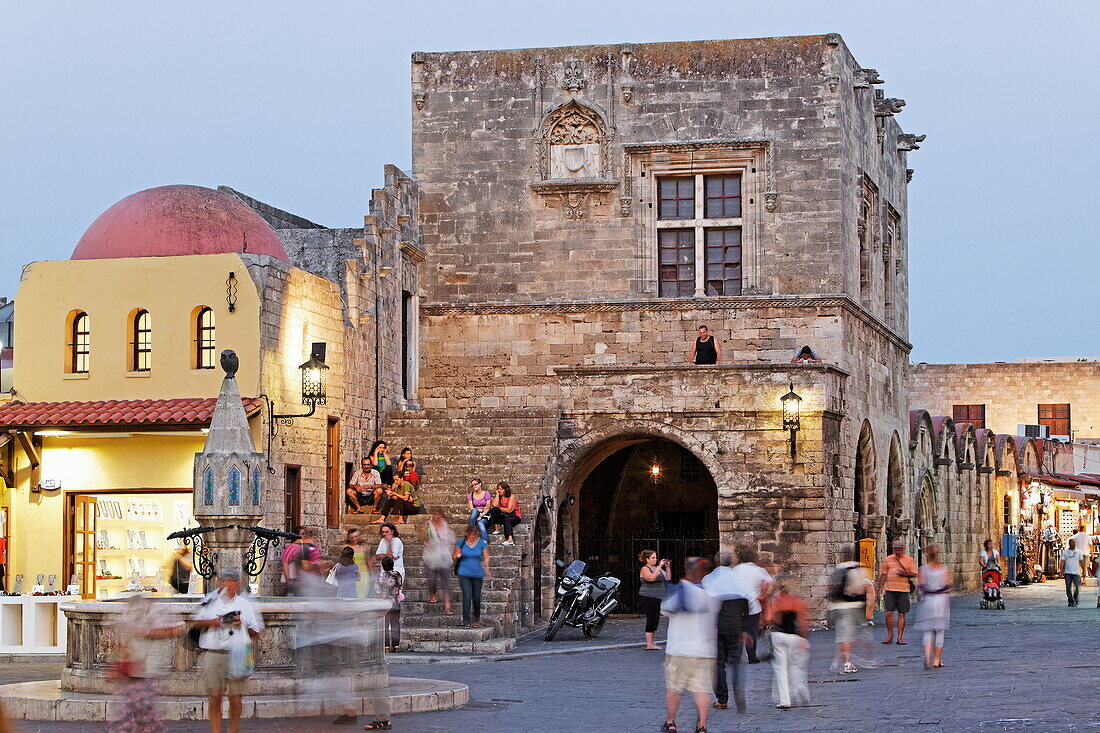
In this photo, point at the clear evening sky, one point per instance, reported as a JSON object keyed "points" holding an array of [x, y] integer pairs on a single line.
{"points": [[301, 103]]}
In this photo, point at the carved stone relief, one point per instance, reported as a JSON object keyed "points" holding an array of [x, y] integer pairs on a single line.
{"points": [[574, 77], [575, 150]]}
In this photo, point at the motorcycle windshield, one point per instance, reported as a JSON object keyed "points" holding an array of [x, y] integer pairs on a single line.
{"points": [[575, 570]]}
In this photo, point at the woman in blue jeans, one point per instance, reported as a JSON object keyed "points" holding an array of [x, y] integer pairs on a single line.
{"points": [[472, 554]]}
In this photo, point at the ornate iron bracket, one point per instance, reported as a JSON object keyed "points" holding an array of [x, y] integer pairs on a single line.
{"points": [[255, 559], [274, 421], [205, 562]]}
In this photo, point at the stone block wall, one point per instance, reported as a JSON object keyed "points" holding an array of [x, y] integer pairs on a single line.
{"points": [[1011, 392]]}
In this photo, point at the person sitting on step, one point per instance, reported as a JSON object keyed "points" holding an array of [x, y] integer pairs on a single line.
{"points": [[402, 499], [364, 488], [505, 511]]}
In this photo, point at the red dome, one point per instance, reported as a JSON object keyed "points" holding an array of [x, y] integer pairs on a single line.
{"points": [[178, 220]]}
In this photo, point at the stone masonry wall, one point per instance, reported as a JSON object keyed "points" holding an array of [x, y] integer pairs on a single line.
{"points": [[1012, 392]]}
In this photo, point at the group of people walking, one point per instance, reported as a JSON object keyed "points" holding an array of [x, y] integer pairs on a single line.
{"points": [[738, 610]]}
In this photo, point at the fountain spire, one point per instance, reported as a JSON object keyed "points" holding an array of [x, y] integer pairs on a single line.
{"points": [[228, 474]]}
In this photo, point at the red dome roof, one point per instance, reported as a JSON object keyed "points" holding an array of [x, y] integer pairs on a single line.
{"points": [[178, 220]]}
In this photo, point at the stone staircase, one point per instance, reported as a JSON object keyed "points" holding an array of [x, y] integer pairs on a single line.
{"points": [[512, 445]]}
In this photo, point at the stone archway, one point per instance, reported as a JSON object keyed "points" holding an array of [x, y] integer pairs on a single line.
{"points": [[895, 490], [864, 495], [926, 517], [632, 492]]}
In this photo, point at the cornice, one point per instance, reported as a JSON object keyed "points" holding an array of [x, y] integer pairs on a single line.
{"points": [[736, 142], [624, 305], [610, 370]]}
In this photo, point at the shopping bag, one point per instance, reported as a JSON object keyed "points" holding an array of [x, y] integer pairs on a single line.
{"points": [[331, 579], [242, 658], [764, 644]]}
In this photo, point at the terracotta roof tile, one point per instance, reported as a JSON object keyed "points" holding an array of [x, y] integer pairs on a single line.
{"points": [[116, 412]]}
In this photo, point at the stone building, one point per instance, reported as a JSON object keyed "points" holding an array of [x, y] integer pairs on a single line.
{"points": [[1062, 395], [115, 372], [583, 210]]}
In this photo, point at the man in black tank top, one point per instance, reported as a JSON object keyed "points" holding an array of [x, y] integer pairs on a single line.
{"points": [[706, 349]]}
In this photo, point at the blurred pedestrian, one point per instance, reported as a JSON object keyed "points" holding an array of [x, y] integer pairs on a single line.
{"points": [[388, 586], [179, 570], [301, 563], [653, 576], [934, 612], [895, 582], [137, 631], [362, 554], [391, 546], [733, 619], [789, 619], [472, 567], [851, 604], [346, 573], [439, 541], [691, 649], [227, 614], [757, 583]]}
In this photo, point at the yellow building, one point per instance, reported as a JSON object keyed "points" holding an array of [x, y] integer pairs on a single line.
{"points": [[115, 378]]}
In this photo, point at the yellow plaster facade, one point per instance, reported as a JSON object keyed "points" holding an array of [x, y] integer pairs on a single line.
{"points": [[170, 288]]}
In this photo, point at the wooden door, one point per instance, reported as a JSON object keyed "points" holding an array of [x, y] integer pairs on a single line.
{"points": [[292, 497], [334, 490], [83, 544]]}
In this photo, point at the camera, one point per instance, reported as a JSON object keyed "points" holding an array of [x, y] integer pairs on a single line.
{"points": [[231, 617]]}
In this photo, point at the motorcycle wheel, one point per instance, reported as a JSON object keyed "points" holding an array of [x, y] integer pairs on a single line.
{"points": [[557, 620], [593, 629]]}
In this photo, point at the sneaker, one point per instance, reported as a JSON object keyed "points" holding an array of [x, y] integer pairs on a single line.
{"points": [[849, 668], [508, 543], [497, 531]]}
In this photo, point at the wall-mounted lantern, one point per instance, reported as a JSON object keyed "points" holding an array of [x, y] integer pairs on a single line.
{"points": [[655, 472], [791, 417], [314, 386]]}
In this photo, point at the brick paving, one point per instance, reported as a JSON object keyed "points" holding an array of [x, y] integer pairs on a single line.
{"points": [[1031, 667]]}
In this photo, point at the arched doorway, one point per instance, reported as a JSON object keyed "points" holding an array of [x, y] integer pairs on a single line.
{"points": [[864, 487], [895, 490], [650, 493], [926, 517]]}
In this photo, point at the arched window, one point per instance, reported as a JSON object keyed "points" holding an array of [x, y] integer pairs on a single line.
{"points": [[78, 343], [141, 341], [204, 338]]}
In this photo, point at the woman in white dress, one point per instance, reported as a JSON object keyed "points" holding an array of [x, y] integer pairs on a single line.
{"points": [[934, 614]]}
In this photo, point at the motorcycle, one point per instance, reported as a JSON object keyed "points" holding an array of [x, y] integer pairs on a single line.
{"points": [[582, 602]]}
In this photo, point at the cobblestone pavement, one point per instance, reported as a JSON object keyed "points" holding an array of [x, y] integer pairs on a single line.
{"points": [[1031, 667]]}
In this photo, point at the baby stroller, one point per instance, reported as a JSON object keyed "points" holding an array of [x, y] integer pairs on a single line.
{"points": [[991, 588]]}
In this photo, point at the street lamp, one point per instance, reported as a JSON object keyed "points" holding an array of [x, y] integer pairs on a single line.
{"points": [[791, 420], [655, 472], [314, 379]]}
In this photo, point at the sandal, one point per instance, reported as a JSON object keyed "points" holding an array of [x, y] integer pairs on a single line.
{"points": [[721, 705], [378, 725], [700, 729], [901, 643], [668, 728]]}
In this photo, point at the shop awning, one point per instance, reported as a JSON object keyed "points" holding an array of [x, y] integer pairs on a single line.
{"points": [[1069, 494], [177, 412]]}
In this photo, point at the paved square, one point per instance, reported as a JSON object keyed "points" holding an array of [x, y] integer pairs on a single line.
{"points": [[1034, 666]]}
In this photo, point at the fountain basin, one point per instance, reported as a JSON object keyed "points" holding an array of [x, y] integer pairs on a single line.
{"points": [[294, 654]]}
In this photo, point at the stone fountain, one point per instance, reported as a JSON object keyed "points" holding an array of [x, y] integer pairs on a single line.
{"points": [[313, 653]]}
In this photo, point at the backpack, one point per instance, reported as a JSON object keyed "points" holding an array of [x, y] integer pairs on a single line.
{"points": [[837, 587]]}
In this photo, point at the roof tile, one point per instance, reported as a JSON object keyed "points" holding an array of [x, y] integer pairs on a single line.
{"points": [[184, 411]]}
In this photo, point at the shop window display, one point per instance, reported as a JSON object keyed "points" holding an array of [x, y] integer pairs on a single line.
{"points": [[130, 546]]}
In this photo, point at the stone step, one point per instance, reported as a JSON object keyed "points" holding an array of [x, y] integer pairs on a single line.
{"points": [[487, 595], [436, 619], [495, 609], [448, 633], [490, 646]]}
